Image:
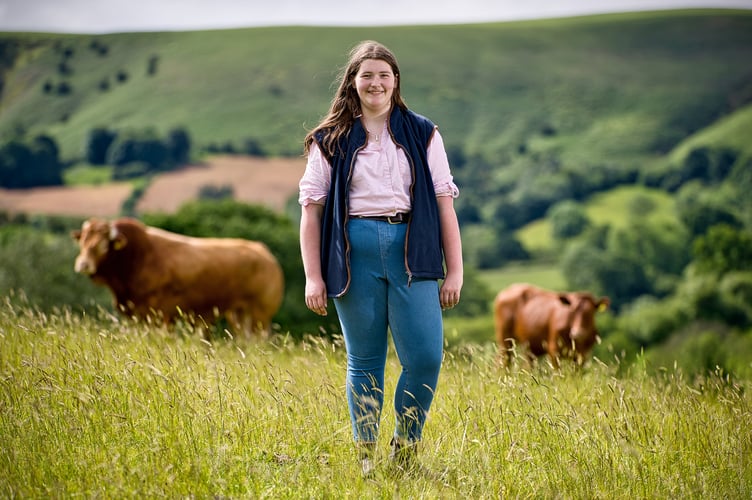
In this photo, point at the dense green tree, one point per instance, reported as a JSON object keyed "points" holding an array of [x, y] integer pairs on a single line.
{"points": [[568, 219], [724, 248], [98, 143], [485, 248], [642, 259], [27, 164], [699, 208], [179, 146], [253, 147], [139, 147], [580, 264], [708, 164]]}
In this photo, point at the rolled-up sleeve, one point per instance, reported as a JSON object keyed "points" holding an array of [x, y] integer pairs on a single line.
{"points": [[438, 163], [314, 185]]}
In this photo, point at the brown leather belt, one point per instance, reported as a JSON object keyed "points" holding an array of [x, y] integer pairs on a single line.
{"points": [[399, 218]]}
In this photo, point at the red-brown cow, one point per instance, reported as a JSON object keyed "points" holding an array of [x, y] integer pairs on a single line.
{"points": [[546, 322], [155, 272]]}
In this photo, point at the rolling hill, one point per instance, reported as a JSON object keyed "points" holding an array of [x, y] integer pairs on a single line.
{"points": [[619, 89]]}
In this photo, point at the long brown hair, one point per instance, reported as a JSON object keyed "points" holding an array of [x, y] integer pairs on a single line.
{"points": [[345, 105]]}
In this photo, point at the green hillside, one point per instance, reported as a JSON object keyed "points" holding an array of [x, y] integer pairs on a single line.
{"points": [[615, 207], [616, 89]]}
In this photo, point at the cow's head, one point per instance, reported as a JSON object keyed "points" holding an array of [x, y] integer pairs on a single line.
{"points": [[583, 307], [96, 239]]}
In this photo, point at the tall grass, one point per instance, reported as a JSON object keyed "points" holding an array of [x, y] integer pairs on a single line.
{"points": [[100, 407]]}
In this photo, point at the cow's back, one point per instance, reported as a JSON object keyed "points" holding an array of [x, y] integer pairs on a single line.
{"points": [[207, 274], [507, 304], [536, 319]]}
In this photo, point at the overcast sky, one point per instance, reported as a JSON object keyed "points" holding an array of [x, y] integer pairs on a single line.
{"points": [[107, 16]]}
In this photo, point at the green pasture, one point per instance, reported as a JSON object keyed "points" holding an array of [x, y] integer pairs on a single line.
{"points": [[84, 174], [537, 273], [95, 406], [617, 208]]}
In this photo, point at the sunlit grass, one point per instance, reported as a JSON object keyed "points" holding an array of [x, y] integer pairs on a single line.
{"points": [[99, 407], [85, 174], [543, 274], [616, 207]]}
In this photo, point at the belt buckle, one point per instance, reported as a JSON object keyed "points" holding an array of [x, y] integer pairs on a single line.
{"points": [[397, 219]]}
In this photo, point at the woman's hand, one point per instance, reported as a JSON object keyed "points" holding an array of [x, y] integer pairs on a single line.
{"points": [[315, 296], [310, 247], [449, 294]]}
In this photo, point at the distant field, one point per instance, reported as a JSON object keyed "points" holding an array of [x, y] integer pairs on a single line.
{"points": [[268, 182]]}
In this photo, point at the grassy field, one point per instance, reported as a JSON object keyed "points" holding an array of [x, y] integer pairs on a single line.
{"points": [[99, 407], [541, 274]]}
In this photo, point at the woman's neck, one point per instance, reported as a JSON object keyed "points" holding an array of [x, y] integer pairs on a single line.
{"points": [[374, 124], [374, 121]]}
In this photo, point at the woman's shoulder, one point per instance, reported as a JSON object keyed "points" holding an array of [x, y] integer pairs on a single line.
{"points": [[409, 114], [417, 122]]}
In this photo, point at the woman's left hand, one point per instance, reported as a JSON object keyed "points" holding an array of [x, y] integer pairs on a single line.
{"points": [[449, 294]]}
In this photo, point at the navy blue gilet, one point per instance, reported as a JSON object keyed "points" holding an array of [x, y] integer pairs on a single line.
{"points": [[424, 254]]}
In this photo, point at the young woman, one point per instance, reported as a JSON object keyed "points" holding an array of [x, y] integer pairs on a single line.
{"points": [[378, 229]]}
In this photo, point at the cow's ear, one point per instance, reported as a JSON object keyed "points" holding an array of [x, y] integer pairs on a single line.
{"points": [[603, 304], [76, 234], [117, 238]]}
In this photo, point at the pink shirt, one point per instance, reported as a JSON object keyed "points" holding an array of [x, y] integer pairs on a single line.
{"points": [[381, 177]]}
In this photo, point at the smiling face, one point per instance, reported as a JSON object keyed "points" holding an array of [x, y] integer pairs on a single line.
{"points": [[375, 83]]}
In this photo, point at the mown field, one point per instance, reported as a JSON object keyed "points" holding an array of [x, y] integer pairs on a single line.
{"points": [[100, 407]]}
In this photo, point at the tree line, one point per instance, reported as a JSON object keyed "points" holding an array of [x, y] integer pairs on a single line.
{"points": [[137, 153], [27, 163]]}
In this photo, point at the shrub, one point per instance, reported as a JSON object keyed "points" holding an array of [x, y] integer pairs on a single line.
{"points": [[699, 208], [40, 264], [568, 219], [701, 348], [64, 88], [649, 321], [724, 248], [212, 192]]}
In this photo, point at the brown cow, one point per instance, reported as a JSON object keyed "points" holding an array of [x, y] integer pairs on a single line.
{"points": [[546, 322], [155, 272]]}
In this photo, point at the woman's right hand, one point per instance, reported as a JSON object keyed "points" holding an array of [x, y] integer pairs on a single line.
{"points": [[310, 248]]}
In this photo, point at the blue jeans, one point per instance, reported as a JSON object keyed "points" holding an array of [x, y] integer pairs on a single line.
{"points": [[379, 299]]}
